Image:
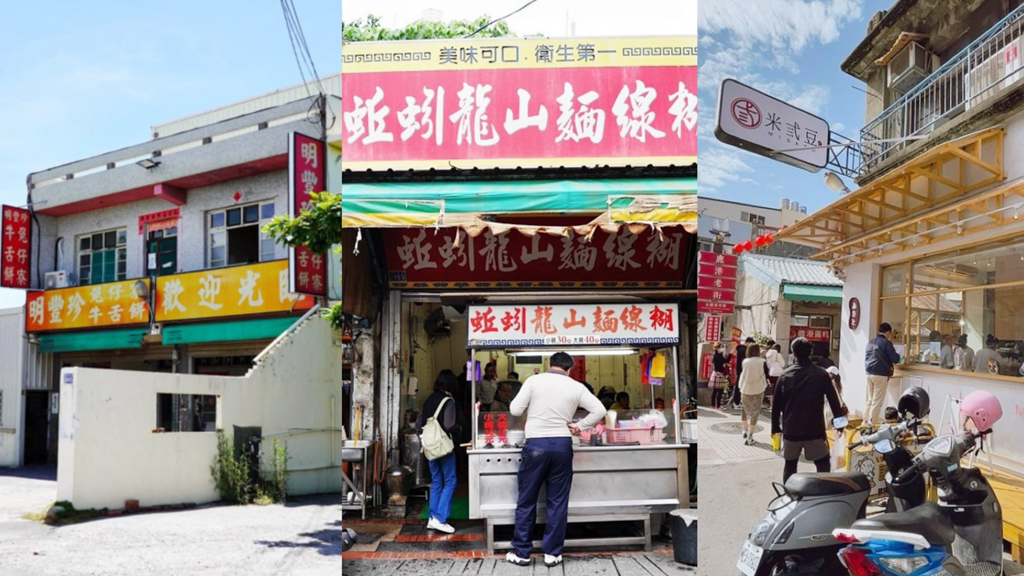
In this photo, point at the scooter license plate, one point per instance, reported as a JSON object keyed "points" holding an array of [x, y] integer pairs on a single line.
{"points": [[750, 557]]}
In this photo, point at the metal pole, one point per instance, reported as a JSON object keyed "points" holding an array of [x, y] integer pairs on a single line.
{"points": [[677, 369], [471, 375]]}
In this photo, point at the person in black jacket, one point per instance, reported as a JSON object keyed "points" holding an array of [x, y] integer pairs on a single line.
{"points": [[442, 470], [797, 410], [719, 375]]}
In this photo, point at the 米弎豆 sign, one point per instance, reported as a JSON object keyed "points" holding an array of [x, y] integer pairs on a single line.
{"points": [[573, 325], [762, 124], [510, 102]]}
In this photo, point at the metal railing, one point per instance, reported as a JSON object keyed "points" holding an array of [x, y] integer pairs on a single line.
{"points": [[988, 65]]}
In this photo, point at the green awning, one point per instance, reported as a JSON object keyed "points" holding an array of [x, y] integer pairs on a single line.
{"points": [[813, 293], [97, 340], [226, 331]]}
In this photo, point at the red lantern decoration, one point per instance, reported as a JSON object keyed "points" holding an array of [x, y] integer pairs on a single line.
{"points": [[748, 245], [759, 241], [736, 248], [768, 239]]}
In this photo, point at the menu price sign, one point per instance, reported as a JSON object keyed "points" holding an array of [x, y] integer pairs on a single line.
{"points": [[16, 229], [306, 174], [573, 325], [716, 282]]}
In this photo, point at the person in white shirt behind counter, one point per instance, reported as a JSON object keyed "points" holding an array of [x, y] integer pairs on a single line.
{"points": [[552, 399]]}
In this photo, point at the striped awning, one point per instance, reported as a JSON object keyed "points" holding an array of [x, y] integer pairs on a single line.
{"points": [[653, 201]]}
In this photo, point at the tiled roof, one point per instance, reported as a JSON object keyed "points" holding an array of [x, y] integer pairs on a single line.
{"points": [[792, 270]]}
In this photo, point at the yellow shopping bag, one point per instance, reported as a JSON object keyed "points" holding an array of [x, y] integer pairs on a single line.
{"points": [[776, 442]]}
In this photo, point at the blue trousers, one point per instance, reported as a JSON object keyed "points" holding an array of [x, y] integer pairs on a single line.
{"points": [[546, 462], [442, 486]]}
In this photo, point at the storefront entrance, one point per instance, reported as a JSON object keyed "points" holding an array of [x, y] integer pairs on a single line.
{"points": [[37, 408]]}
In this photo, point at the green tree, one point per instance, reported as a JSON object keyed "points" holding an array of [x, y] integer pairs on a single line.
{"points": [[371, 30]]}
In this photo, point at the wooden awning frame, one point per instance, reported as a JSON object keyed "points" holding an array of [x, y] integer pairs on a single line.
{"points": [[891, 213]]}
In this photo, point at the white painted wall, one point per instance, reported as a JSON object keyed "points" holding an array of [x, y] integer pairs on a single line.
{"points": [[109, 454], [12, 356]]}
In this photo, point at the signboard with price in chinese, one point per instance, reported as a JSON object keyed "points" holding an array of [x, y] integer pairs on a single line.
{"points": [[573, 325], [307, 173], [423, 258], [755, 121], [510, 102], [716, 282], [15, 247], [236, 291], [93, 306]]}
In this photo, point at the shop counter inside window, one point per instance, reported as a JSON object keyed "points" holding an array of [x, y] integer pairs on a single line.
{"points": [[500, 429], [962, 310]]}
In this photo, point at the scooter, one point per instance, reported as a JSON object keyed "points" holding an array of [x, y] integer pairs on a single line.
{"points": [[961, 534], [796, 535]]}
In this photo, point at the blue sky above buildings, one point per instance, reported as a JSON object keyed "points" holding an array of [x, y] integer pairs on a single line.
{"points": [[78, 79], [790, 49]]}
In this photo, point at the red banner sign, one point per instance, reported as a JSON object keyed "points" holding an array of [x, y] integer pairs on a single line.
{"points": [[512, 102], [448, 258], [716, 282], [706, 257], [712, 328], [15, 255], [716, 301], [307, 173], [812, 334]]}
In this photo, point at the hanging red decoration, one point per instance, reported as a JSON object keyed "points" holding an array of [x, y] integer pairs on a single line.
{"points": [[748, 245], [736, 248], [759, 241], [768, 239]]}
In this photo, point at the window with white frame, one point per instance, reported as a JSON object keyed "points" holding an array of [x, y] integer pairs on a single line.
{"points": [[235, 235], [102, 256]]}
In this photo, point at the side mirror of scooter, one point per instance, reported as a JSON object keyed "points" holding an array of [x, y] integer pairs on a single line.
{"points": [[884, 446]]}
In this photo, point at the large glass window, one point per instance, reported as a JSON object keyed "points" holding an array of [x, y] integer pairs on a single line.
{"points": [[102, 257], [235, 235], [977, 292]]}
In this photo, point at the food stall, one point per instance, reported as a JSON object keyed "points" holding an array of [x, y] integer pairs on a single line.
{"points": [[638, 467]]}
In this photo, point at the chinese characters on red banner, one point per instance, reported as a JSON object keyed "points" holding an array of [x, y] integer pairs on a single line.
{"points": [[520, 113], [716, 282], [712, 328], [15, 253], [812, 334], [574, 324], [307, 174], [449, 257]]}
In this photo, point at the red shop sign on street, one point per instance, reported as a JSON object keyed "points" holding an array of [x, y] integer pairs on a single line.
{"points": [[812, 334], [429, 258], [306, 171], [519, 102], [715, 301], [573, 324], [15, 247]]}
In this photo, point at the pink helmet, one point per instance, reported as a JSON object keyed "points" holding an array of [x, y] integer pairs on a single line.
{"points": [[983, 408]]}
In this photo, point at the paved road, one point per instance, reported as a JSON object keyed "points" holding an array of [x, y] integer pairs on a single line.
{"points": [[301, 538]]}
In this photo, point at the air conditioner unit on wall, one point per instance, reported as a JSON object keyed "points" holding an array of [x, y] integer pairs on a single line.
{"points": [[911, 65], [58, 279]]}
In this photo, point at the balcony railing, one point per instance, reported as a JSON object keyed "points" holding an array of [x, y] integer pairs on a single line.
{"points": [[983, 69]]}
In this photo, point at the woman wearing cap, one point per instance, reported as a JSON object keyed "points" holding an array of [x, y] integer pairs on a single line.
{"points": [[752, 383]]}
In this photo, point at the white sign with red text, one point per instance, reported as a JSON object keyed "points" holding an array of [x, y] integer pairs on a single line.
{"points": [[573, 325]]}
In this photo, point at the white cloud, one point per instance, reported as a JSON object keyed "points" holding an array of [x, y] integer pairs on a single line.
{"points": [[782, 24], [721, 166]]}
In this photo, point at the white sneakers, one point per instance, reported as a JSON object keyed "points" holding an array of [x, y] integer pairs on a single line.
{"points": [[552, 561], [434, 524]]}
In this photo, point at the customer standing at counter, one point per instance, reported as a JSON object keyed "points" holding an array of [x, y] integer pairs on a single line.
{"points": [[879, 363], [442, 470], [552, 398]]}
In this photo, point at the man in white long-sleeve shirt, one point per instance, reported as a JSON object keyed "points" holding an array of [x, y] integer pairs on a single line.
{"points": [[552, 398]]}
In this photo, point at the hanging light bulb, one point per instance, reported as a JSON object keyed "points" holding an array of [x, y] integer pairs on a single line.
{"points": [[959, 228]]}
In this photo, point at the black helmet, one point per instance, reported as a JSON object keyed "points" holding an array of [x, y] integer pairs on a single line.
{"points": [[914, 400]]}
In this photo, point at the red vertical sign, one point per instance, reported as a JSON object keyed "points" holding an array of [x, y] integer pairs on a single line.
{"points": [[306, 173], [16, 230]]}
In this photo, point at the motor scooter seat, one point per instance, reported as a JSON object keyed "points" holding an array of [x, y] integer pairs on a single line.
{"points": [[926, 520], [827, 484]]}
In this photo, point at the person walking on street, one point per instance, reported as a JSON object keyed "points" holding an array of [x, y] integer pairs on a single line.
{"points": [[552, 399], [798, 407], [442, 470], [752, 383], [773, 359], [741, 354], [879, 362], [719, 375]]}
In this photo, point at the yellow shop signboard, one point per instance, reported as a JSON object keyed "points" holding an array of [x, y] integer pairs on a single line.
{"points": [[237, 291], [94, 306]]}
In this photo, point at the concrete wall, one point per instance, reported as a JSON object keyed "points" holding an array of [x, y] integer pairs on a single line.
{"points": [[12, 356], [108, 452]]}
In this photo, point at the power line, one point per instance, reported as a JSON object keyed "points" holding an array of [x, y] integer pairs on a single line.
{"points": [[473, 33]]}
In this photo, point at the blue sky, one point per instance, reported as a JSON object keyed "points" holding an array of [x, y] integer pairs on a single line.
{"points": [[790, 49], [81, 78]]}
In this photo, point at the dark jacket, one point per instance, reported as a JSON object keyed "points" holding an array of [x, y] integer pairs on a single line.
{"points": [[880, 364], [741, 354], [799, 402], [448, 418], [721, 363]]}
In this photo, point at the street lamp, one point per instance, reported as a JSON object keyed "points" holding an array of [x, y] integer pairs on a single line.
{"points": [[835, 182]]}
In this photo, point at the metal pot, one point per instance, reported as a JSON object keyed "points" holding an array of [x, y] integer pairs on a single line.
{"points": [[399, 481]]}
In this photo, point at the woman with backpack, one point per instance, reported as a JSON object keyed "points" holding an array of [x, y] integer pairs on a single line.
{"points": [[440, 407]]}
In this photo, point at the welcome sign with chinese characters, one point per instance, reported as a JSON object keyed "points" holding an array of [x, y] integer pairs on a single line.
{"points": [[573, 325], [240, 290], [512, 102], [425, 258], [308, 270], [94, 306], [15, 254]]}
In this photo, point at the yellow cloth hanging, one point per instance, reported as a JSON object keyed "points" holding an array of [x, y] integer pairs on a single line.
{"points": [[658, 365]]}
